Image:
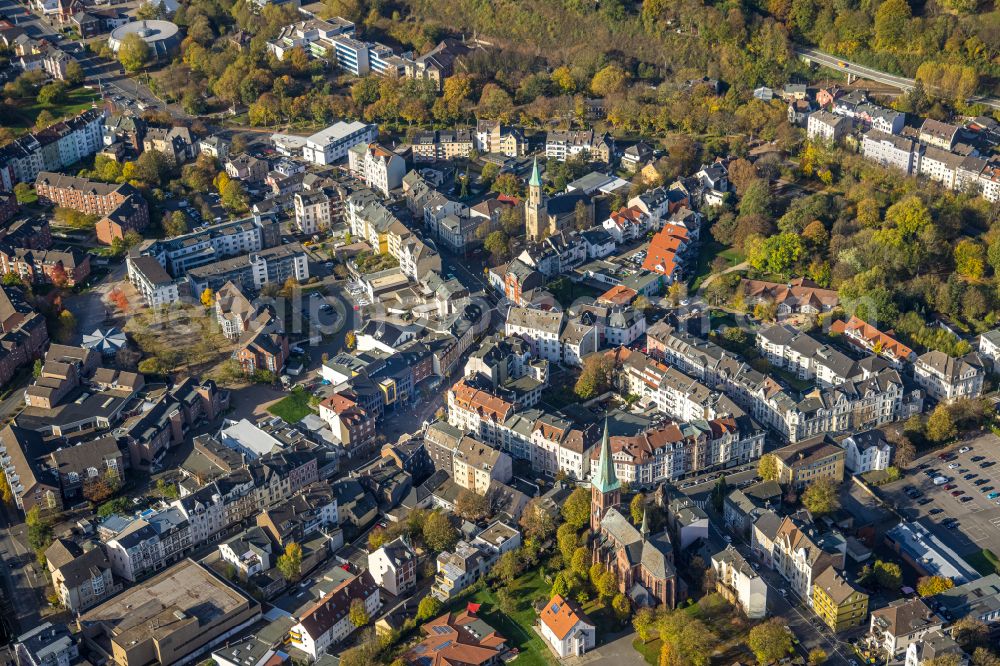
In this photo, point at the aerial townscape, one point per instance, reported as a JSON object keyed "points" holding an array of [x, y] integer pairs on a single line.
{"points": [[411, 333]]}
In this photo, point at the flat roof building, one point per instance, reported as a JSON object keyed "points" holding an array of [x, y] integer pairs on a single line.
{"points": [[168, 618]]}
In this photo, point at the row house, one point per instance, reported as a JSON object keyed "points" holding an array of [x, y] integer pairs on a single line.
{"points": [[51, 149], [67, 268], [353, 426], [560, 145], [145, 545], [786, 347], [671, 451], [477, 411], [740, 583], [23, 332], [495, 137], [434, 145], [867, 337], [219, 505], [377, 166], [313, 212], [801, 553]]}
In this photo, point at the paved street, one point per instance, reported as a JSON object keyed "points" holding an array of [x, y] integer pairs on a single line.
{"points": [[26, 589]]}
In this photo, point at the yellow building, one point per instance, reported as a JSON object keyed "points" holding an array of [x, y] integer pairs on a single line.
{"points": [[809, 461], [837, 602]]}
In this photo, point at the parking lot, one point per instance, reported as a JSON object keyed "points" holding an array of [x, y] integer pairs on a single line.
{"points": [[964, 508]]}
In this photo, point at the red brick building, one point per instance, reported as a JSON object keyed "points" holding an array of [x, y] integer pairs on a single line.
{"points": [[70, 267], [120, 207]]}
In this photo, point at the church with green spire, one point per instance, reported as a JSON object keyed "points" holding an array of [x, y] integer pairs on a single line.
{"points": [[545, 215], [642, 561]]}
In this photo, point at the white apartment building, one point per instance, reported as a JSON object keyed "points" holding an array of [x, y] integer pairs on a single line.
{"points": [[328, 621], [541, 328], [393, 567], [947, 379], [801, 553], [989, 347], [152, 282], [376, 165], [736, 580], [827, 127], [866, 451], [941, 166], [331, 144], [891, 151], [312, 212]]}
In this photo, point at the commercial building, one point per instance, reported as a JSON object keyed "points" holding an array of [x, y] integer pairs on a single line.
{"points": [[167, 619]]}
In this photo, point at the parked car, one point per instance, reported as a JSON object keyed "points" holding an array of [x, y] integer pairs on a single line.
{"points": [[950, 486], [935, 511], [965, 449], [957, 493], [965, 499]]}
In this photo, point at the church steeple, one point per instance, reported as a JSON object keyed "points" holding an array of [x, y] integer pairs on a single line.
{"points": [[535, 221], [605, 479], [605, 489], [644, 530], [536, 179]]}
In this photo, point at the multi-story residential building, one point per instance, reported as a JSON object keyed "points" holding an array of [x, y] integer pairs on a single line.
{"points": [[947, 379], [739, 583], [393, 567], [81, 578], [978, 600], [989, 347], [809, 461], [331, 144], [541, 328], [66, 268], [23, 332], [800, 295], [217, 506], [869, 338], [312, 212], [152, 282], [120, 207], [213, 243], [786, 347], [941, 166], [827, 127], [800, 554], [838, 603], [478, 412], [328, 621], [673, 450], [458, 569], [434, 145], [215, 146], [742, 506], [176, 143], [495, 137], [377, 166], [867, 451], [904, 621], [251, 272], [46, 644], [51, 149], [475, 466], [562, 144], [557, 447], [938, 134], [933, 648], [349, 422], [763, 533], [249, 552], [246, 168], [892, 151], [148, 545]]}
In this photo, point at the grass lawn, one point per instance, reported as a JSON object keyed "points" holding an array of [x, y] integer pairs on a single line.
{"points": [[77, 101], [292, 408], [984, 561], [709, 251], [650, 651], [517, 627]]}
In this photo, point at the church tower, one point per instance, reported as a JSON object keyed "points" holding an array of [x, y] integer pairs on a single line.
{"points": [[535, 220], [605, 490]]}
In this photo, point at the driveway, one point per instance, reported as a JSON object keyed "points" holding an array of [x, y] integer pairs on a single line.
{"points": [[616, 652]]}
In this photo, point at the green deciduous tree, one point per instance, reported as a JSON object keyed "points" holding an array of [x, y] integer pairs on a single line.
{"points": [[133, 53], [438, 532], [928, 586], [767, 467], [290, 562], [820, 497], [940, 424], [358, 614], [576, 509], [770, 641], [428, 608]]}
